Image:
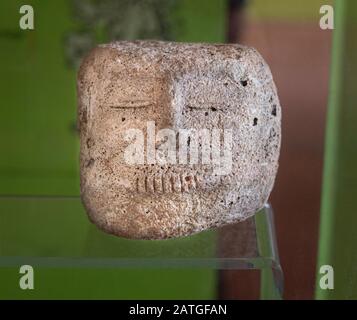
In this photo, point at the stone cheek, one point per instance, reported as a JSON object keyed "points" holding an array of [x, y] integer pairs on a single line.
{"points": [[175, 138]]}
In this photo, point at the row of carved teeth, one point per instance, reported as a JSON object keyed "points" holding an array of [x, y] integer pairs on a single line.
{"points": [[167, 183]]}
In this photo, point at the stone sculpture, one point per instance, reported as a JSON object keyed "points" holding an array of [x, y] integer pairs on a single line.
{"points": [[176, 138]]}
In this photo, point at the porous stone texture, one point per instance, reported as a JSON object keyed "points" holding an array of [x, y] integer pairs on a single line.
{"points": [[123, 85]]}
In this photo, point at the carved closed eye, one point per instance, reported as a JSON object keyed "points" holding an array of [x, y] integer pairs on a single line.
{"points": [[207, 106], [128, 104]]}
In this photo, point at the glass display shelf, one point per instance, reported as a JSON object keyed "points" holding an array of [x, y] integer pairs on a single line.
{"points": [[55, 232]]}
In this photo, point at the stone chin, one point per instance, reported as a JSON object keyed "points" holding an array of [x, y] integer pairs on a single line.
{"points": [[146, 215], [142, 217], [143, 202]]}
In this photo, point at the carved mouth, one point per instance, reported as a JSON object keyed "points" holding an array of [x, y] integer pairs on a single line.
{"points": [[167, 183]]}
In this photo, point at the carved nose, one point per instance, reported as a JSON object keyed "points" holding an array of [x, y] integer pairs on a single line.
{"points": [[170, 118], [168, 115]]}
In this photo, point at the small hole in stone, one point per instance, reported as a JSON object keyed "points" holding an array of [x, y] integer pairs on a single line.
{"points": [[90, 162], [188, 178], [226, 84], [90, 143], [122, 119], [273, 112], [213, 109], [206, 113], [244, 83], [255, 121]]}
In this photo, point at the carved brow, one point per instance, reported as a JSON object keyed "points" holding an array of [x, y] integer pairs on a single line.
{"points": [[126, 104]]}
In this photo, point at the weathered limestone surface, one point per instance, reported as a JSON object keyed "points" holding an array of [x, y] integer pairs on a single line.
{"points": [[125, 85]]}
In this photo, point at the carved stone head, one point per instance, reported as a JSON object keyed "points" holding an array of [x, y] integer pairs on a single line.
{"points": [[175, 138]]}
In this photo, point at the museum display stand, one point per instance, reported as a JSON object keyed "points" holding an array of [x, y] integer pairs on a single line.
{"points": [[55, 232]]}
